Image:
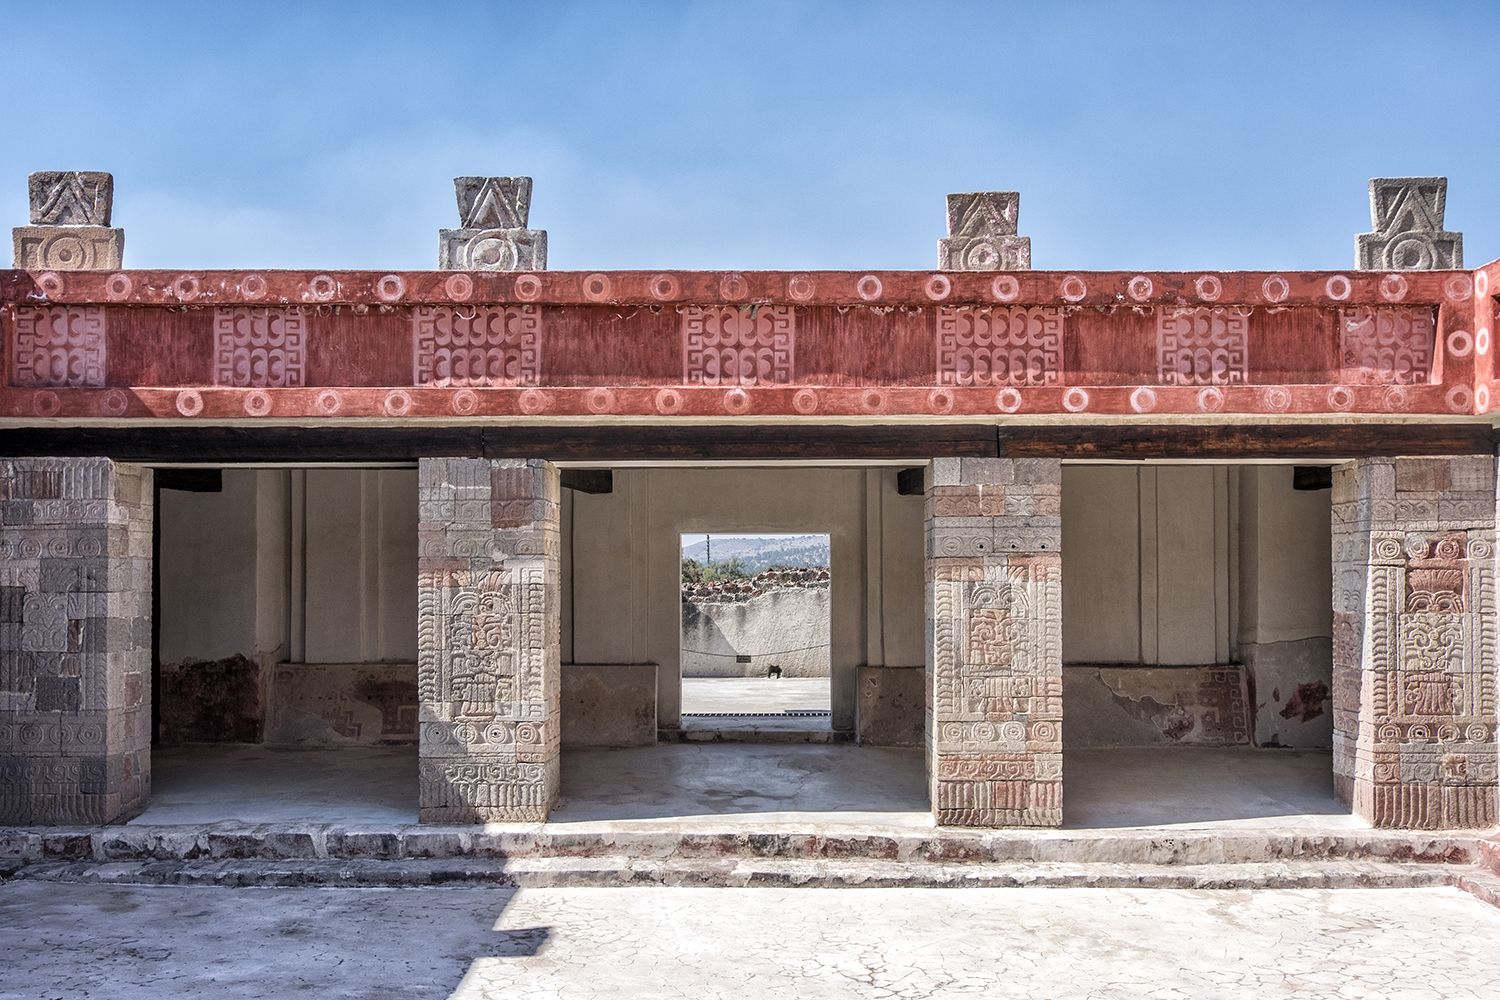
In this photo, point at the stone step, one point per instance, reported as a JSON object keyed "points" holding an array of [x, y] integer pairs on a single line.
{"points": [[708, 840], [621, 871]]}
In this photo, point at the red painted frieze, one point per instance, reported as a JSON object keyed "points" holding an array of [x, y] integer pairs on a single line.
{"points": [[301, 345]]}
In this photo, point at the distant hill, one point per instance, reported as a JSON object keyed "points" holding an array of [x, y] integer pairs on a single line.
{"points": [[760, 553]]}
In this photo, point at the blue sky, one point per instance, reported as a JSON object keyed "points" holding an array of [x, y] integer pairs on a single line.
{"points": [[745, 135]]}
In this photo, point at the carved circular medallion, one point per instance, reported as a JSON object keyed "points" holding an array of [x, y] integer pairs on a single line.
{"points": [[458, 287], [253, 287], [1396, 399], [1211, 399], [736, 401], [398, 402], [390, 288], [533, 401], [1412, 253], [1075, 400], [1460, 399], [1393, 288], [491, 250], [1337, 288], [1074, 288], [801, 287], [938, 287], [1275, 288], [1008, 400], [1482, 398], [664, 287], [872, 401], [597, 288], [869, 288], [1140, 288], [1482, 283], [1482, 340], [190, 402], [600, 400], [1143, 399], [527, 287], [257, 402], [805, 401], [1458, 287], [1006, 288], [1460, 344], [733, 286], [1209, 287], [186, 288], [50, 284], [940, 401], [328, 402], [1341, 397], [1276, 398], [45, 403], [668, 402], [464, 402], [322, 288], [114, 403], [118, 286]]}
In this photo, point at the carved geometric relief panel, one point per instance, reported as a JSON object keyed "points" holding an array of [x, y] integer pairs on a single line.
{"points": [[738, 345], [59, 346], [259, 348], [1385, 346], [1202, 346], [990, 347], [476, 346]]}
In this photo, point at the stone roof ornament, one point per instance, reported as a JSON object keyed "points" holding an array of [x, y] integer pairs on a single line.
{"points": [[493, 212], [1406, 214], [982, 233], [69, 231]]}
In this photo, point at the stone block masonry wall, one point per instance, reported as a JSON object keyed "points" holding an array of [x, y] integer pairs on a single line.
{"points": [[75, 641], [994, 612], [1414, 641], [488, 637]]}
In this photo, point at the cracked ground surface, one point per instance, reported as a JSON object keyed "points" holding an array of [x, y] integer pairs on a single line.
{"points": [[67, 941]]}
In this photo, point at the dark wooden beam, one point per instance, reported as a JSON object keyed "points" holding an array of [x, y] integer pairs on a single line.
{"points": [[608, 443]]}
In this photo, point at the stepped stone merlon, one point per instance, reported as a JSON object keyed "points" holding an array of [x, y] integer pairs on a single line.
{"points": [[493, 212], [69, 230], [1406, 214], [982, 233]]}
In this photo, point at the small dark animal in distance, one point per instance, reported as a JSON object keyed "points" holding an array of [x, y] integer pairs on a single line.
{"points": [[773, 671]]}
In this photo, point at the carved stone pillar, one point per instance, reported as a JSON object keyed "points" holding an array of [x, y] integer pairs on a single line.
{"points": [[75, 641], [994, 615], [982, 233], [493, 212], [488, 639], [1414, 641]]}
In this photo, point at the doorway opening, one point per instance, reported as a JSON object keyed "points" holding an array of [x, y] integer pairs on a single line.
{"points": [[755, 639]]}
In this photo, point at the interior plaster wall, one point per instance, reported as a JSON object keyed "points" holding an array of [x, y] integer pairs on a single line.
{"points": [[622, 565], [1225, 569], [291, 571]]}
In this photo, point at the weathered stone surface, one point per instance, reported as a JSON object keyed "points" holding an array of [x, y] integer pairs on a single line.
{"points": [[982, 233], [892, 706], [1406, 214], [488, 638], [609, 705], [994, 615], [341, 704], [68, 248], [492, 234], [1414, 641], [1131, 705], [71, 197], [75, 641], [211, 701]]}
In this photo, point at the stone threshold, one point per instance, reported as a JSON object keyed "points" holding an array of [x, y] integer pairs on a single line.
{"points": [[696, 840], [752, 734], [739, 872]]}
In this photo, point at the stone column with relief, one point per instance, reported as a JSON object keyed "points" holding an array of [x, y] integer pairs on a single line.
{"points": [[70, 230], [994, 659], [75, 641], [1414, 641], [488, 652]]}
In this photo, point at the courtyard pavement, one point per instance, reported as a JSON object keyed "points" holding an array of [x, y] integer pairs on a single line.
{"points": [[66, 941]]}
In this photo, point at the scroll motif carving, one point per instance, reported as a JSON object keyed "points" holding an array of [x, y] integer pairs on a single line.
{"points": [[260, 348], [993, 347], [59, 346], [745, 345], [1386, 346], [477, 346], [1202, 346]]}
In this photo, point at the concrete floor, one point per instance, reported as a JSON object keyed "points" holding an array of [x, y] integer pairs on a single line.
{"points": [[75, 941], [723, 783]]}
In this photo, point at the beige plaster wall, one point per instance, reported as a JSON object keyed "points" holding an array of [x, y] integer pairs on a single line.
{"points": [[207, 571], [622, 568]]}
